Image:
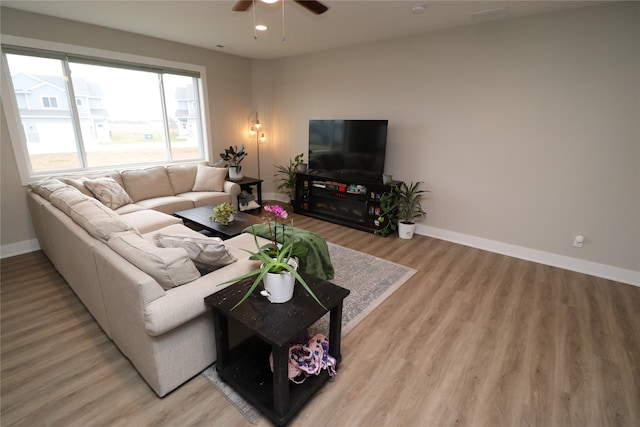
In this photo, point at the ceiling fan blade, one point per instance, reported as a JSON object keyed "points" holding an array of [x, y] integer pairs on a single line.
{"points": [[242, 5], [313, 6]]}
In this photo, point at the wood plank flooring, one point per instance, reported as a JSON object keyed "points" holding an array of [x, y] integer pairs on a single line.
{"points": [[472, 339]]}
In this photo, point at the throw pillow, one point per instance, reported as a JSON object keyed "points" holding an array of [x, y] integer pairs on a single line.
{"points": [[108, 191], [207, 253], [170, 267], [78, 183], [209, 178]]}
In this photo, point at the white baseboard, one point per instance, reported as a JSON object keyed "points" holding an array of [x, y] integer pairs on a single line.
{"points": [[568, 263], [19, 248]]}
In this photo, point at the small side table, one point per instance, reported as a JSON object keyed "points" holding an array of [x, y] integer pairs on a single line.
{"points": [[246, 183], [274, 326]]}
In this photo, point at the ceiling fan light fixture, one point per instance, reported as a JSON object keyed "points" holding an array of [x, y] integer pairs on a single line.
{"points": [[269, 1], [261, 27]]}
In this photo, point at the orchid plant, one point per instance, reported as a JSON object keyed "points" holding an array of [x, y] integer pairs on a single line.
{"points": [[275, 258]]}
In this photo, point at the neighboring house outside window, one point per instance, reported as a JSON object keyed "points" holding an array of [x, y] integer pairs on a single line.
{"points": [[121, 115]]}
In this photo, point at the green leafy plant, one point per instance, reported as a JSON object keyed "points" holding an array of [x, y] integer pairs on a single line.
{"points": [[222, 213], [287, 176], [275, 259], [389, 213], [234, 156], [409, 206], [400, 203]]}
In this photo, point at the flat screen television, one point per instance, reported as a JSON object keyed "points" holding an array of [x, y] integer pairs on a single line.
{"points": [[349, 148]]}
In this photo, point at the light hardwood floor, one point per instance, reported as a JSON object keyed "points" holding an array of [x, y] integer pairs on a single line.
{"points": [[473, 338]]}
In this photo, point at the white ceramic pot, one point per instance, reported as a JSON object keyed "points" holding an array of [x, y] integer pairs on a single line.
{"points": [[230, 220], [278, 287], [235, 173], [406, 229]]}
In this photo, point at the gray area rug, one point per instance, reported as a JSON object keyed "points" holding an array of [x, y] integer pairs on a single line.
{"points": [[371, 280]]}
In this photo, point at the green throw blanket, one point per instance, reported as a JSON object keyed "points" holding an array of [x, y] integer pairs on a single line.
{"points": [[317, 262]]}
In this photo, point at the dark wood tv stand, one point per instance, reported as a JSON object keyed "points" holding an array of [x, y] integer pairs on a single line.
{"points": [[349, 201]]}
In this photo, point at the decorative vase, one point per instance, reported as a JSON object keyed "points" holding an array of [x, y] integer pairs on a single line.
{"points": [[278, 287], [406, 229], [235, 173]]}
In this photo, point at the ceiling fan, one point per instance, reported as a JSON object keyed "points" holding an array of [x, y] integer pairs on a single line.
{"points": [[311, 5]]}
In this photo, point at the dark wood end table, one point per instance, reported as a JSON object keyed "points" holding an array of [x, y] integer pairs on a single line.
{"points": [[200, 217], [274, 327], [246, 183]]}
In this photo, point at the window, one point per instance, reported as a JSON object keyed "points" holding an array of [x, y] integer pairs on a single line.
{"points": [[49, 102], [81, 112]]}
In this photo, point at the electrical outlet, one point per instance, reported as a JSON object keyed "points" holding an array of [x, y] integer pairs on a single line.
{"points": [[578, 241]]}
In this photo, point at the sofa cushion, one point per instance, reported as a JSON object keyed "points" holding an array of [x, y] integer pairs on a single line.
{"points": [[108, 191], [131, 207], [148, 220], [170, 267], [207, 253], [204, 198], [167, 204], [46, 186], [182, 177], [210, 178], [97, 219], [142, 184], [65, 198]]}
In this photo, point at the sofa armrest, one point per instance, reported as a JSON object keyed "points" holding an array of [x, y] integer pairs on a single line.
{"points": [[232, 188], [186, 302], [234, 191]]}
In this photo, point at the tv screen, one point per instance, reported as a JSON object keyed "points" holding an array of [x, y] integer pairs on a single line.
{"points": [[352, 148]]}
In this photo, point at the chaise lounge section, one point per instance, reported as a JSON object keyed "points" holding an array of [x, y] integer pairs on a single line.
{"points": [[102, 234]]}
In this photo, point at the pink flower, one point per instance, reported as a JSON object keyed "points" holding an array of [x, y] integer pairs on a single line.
{"points": [[277, 211]]}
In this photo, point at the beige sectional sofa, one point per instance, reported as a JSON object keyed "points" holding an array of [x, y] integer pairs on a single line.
{"points": [[149, 300]]}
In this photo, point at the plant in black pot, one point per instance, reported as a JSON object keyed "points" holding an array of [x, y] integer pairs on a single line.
{"points": [[233, 157], [388, 219], [286, 177]]}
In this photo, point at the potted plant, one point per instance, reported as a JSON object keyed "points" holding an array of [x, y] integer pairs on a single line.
{"points": [[222, 213], [287, 177], [276, 261], [233, 157], [409, 207]]}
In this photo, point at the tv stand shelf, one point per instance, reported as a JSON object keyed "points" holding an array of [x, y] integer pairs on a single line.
{"points": [[349, 201]]}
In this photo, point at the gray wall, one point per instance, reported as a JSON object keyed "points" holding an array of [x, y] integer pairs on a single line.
{"points": [[525, 130]]}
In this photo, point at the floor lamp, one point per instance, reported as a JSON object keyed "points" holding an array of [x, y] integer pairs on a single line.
{"points": [[256, 129]]}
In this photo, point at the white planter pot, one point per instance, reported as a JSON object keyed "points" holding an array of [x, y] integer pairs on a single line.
{"points": [[235, 173], [278, 287], [406, 230], [230, 220]]}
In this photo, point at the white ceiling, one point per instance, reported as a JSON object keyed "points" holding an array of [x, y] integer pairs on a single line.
{"points": [[213, 25]]}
